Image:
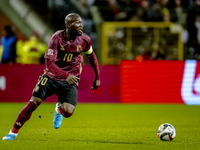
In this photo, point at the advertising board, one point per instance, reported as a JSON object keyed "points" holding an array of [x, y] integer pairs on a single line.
{"points": [[17, 83], [160, 82]]}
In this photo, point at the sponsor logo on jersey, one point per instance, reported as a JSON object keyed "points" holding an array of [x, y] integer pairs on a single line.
{"points": [[78, 48], [62, 48], [50, 52], [190, 90]]}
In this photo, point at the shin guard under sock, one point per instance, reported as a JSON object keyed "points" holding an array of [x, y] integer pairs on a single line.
{"points": [[23, 116]]}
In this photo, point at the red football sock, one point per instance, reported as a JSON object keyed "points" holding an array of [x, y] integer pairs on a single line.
{"points": [[23, 116], [63, 113], [14, 130]]}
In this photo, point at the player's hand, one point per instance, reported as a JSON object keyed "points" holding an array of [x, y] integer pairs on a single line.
{"points": [[71, 79], [96, 84]]}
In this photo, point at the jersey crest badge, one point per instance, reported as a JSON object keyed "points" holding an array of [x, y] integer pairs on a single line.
{"points": [[78, 48], [50, 52], [62, 48]]}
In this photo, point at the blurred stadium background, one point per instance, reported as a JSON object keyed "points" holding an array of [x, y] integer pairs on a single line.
{"points": [[144, 47]]}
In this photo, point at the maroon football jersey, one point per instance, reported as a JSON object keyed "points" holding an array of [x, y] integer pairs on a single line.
{"points": [[67, 54]]}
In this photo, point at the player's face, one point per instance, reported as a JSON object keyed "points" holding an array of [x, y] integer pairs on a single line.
{"points": [[78, 26]]}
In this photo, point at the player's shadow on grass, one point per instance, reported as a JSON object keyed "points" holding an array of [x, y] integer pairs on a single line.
{"points": [[94, 141], [103, 141], [88, 141]]}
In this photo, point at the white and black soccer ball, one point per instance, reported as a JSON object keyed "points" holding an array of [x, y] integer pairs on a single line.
{"points": [[166, 132]]}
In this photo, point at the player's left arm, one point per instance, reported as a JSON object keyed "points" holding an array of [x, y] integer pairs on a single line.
{"points": [[94, 63]]}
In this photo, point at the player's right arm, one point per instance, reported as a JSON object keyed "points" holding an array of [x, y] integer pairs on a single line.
{"points": [[52, 68]]}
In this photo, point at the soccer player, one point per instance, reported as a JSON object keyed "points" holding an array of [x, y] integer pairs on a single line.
{"points": [[63, 65]]}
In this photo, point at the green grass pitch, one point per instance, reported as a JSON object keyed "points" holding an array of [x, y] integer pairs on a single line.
{"points": [[103, 127]]}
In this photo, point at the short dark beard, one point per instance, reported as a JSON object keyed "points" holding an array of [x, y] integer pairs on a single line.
{"points": [[74, 32]]}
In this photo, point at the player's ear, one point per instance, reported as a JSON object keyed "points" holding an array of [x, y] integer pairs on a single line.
{"points": [[69, 25]]}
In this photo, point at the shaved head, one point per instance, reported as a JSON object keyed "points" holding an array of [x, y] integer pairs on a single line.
{"points": [[73, 24], [71, 18]]}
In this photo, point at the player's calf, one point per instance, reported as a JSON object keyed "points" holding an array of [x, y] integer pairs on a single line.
{"points": [[65, 114], [23, 116], [66, 110]]}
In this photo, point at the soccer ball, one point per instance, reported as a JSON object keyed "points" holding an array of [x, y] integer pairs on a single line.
{"points": [[166, 132]]}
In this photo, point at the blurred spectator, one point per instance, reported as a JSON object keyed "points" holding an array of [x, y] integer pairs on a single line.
{"points": [[31, 51], [166, 15], [108, 9], [153, 53], [184, 34], [128, 8], [57, 10], [193, 27], [157, 53], [190, 3], [155, 13], [197, 25], [147, 55], [8, 43], [116, 10], [166, 7], [178, 12], [142, 10], [181, 12], [160, 11]]}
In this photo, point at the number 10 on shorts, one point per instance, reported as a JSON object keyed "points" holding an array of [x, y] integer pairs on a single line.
{"points": [[42, 80]]}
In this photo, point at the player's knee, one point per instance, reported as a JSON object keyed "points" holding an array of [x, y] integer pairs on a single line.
{"points": [[36, 100], [68, 110]]}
